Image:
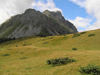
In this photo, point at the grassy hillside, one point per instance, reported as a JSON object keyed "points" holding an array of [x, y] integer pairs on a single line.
{"points": [[27, 56]]}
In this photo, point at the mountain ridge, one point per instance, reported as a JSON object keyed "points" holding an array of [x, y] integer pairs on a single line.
{"points": [[59, 17], [33, 22]]}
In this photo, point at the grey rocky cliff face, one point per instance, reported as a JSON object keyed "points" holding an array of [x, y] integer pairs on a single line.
{"points": [[33, 22], [58, 16]]}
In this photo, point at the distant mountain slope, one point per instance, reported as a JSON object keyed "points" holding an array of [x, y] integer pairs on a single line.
{"points": [[33, 22]]}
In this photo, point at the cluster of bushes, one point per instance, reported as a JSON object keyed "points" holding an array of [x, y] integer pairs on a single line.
{"points": [[91, 35], [90, 69], [82, 32], [6, 55], [6, 39], [76, 34], [60, 61]]}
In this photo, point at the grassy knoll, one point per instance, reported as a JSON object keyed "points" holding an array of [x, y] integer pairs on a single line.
{"points": [[28, 56]]}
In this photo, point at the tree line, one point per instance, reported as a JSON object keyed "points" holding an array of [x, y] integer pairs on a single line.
{"points": [[6, 39]]}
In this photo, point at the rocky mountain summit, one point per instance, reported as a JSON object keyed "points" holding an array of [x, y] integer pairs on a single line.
{"points": [[33, 22]]}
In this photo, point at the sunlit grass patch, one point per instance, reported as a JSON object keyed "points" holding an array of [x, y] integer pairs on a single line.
{"points": [[28, 68], [31, 59]]}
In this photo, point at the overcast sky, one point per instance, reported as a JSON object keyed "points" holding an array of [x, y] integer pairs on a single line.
{"points": [[84, 14]]}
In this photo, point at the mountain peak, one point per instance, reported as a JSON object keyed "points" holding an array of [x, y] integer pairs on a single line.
{"points": [[58, 15], [52, 11], [47, 12], [33, 22], [29, 10]]}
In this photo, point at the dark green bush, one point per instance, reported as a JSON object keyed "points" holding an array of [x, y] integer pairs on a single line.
{"points": [[24, 44], [91, 35], [60, 61], [83, 32], [48, 62], [90, 69], [74, 48], [76, 34], [6, 39], [6, 55]]}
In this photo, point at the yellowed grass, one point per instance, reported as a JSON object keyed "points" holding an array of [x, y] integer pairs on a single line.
{"points": [[40, 49]]}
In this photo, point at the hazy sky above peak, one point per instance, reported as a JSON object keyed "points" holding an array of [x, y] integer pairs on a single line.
{"points": [[84, 14]]}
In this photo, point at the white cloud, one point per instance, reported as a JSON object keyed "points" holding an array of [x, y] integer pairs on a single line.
{"points": [[9, 8], [42, 5], [81, 22], [79, 2], [93, 9]]}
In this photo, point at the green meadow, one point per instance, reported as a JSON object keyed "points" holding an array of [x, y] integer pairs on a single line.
{"points": [[29, 55]]}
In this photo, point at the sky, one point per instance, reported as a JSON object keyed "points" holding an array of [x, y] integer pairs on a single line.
{"points": [[84, 14]]}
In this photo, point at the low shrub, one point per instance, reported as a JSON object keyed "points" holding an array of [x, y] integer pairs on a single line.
{"points": [[76, 34], [74, 48], [6, 55], [91, 35], [90, 69], [60, 61], [45, 42], [21, 52], [24, 44], [24, 58], [82, 32]]}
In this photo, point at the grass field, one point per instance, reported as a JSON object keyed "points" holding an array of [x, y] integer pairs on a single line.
{"points": [[28, 56]]}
